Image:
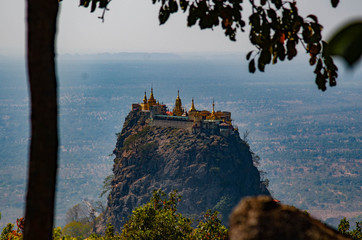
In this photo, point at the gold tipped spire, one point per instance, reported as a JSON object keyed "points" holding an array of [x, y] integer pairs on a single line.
{"points": [[213, 107], [145, 98], [152, 100], [212, 116], [192, 106], [178, 110]]}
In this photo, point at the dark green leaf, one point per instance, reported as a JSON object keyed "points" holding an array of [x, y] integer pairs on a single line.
{"points": [[255, 38], [324, 47], [317, 28], [252, 66], [332, 82], [103, 3], [163, 15], [249, 55], [319, 66], [261, 64], [255, 21], [82, 2], [294, 8], [328, 61], [192, 18], [291, 50], [173, 6], [265, 56], [275, 58], [347, 43], [242, 24], [281, 51], [183, 4], [94, 5], [307, 32], [266, 30], [312, 60], [272, 15], [321, 82], [277, 3], [334, 3], [315, 19]]}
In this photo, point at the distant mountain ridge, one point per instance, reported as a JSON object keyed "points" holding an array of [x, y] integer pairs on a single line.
{"points": [[122, 56], [209, 171]]}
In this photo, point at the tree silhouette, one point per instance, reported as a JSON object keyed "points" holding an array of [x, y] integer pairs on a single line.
{"points": [[41, 29]]}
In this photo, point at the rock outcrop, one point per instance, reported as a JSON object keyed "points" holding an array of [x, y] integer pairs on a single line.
{"points": [[209, 171], [260, 218]]}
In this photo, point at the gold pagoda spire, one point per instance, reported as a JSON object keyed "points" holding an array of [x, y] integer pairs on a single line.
{"points": [[213, 107], [177, 110], [212, 116], [192, 106], [151, 100], [145, 98]]}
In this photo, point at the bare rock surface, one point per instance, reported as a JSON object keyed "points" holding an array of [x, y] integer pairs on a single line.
{"points": [[260, 218]]}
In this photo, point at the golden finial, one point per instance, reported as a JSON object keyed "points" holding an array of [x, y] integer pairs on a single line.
{"points": [[212, 116], [178, 110], [152, 100], [213, 107], [192, 106], [145, 98]]}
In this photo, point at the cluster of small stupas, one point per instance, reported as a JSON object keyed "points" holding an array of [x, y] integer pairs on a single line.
{"points": [[180, 118]]}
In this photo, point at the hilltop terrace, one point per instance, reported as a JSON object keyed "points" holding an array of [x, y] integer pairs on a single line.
{"points": [[195, 120]]}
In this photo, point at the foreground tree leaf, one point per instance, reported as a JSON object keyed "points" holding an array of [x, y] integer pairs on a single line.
{"points": [[347, 43]]}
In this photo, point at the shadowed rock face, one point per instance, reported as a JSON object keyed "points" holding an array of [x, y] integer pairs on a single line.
{"points": [[209, 171], [260, 218]]}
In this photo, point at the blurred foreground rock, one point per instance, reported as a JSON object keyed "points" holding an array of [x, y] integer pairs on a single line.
{"points": [[261, 218]]}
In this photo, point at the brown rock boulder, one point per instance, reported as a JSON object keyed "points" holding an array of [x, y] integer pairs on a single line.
{"points": [[261, 218]]}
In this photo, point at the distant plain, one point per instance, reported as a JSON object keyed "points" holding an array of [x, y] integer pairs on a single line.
{"points": [[309, 142]]}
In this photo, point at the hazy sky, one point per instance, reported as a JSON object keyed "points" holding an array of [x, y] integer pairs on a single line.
{"points": [[132, 26]]}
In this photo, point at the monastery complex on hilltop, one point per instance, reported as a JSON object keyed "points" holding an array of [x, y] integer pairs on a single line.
{"points": [[195, 120]]}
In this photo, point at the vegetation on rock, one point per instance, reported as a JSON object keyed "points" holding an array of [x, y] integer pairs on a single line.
{"points": [[344, 228], [157, 219]]}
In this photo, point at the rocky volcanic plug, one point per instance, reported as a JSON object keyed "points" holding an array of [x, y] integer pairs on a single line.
{"points": [[209, 171]]}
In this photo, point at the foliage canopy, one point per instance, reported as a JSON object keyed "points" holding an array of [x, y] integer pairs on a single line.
{"points": [[159, 219], [344, 228]]}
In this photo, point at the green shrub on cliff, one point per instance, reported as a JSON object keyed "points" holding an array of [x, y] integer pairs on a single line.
{"points": [[355, 234], [159, 219]]}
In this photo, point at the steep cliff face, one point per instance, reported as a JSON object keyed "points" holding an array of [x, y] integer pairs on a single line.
{"points": [[209, 171]]}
